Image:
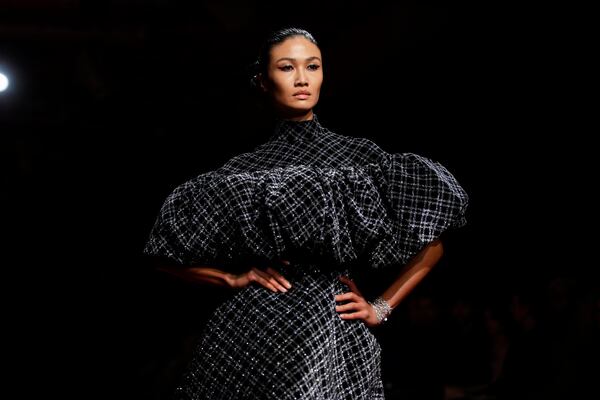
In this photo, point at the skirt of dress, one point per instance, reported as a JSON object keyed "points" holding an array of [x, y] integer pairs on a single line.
{"points": [[260, 344]]}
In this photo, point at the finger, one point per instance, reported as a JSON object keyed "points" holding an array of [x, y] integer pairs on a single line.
{"points": [[348, 306], [346, 296], [279, 277], [259, 278], [350, 283], [272, 281], [355, 315]]}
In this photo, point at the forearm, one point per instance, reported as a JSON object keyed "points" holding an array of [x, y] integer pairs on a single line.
{"points": [[204, 275], [412, 273]]}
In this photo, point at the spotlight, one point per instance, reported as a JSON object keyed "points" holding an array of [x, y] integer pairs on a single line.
{"points": [[3, 82]]}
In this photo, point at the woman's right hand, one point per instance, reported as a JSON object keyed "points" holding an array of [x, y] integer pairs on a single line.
{"points": [[269, 278]]}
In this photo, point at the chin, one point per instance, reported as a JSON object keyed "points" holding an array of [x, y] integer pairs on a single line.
{"points": [[304, 106], [295, 110]]}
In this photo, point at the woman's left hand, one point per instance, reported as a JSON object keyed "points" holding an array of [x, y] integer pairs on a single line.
{"points": [[359, 307]]}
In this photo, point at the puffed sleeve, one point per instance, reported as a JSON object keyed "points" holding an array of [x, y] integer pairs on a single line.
{"points": [[423, 200], [384, 212], [191, 224]]}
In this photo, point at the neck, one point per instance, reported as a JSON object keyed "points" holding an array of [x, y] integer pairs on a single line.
{"points": [[296, 116]]}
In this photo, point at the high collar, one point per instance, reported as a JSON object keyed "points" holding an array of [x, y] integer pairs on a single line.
{"points": [[293, 131]]}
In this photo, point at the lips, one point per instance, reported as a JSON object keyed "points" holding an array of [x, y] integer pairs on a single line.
{"points": [[302, 93]]}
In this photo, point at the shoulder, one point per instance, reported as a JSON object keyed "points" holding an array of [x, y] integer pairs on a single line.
{"points": [[364, 149], [358, 142], [369, 145], [239, 162], [259, 157]]}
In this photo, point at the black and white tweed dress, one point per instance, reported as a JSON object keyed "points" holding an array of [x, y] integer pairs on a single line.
{"points": [[327, 203]]}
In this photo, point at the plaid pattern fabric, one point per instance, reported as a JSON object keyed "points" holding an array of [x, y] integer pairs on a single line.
{"points": [[328, 203], [310, 190], [283, 346]]}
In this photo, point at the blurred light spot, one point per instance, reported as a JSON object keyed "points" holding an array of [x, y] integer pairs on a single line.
{"points": [[3, 82]]}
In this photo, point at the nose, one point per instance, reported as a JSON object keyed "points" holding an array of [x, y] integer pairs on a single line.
{"points": [[301, 78]]}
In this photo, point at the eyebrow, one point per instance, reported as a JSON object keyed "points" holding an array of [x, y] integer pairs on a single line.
{"points": [[293, 59]]}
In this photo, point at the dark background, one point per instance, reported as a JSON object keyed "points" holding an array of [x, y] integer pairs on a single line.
{"points": [[114, 103]]}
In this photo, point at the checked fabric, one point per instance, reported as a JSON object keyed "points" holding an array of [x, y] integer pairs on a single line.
{"points": [[327, 203]]}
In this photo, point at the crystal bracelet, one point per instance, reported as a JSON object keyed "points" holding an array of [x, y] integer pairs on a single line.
{"points": [[382, 308]]}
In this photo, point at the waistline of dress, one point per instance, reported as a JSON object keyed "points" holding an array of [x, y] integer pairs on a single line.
{"points": [[304, 268]]}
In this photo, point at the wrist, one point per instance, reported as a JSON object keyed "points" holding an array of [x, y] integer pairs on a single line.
{"points": [[229, 280], [382, 308]]}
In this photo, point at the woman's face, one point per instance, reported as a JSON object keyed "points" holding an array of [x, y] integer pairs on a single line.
{"points": [[294, 77]]}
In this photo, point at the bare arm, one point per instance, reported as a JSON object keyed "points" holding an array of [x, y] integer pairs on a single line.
{"points": [[268, 278], [409, 277], [412, 273], [204, 275]]}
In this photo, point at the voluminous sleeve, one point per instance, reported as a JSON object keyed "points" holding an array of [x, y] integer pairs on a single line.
{"points": [[383, 212]]}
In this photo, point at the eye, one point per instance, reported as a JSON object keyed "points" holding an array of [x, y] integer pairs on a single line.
{"points": [[286, 67], [314, 67]]}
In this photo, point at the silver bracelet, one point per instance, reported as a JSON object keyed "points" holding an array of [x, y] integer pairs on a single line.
{"points": [[382, 308]]}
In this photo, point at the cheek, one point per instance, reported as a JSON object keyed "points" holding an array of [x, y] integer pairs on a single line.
{"points": [[281, 94], [319, 80], [281, 85], [317, 90]]}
